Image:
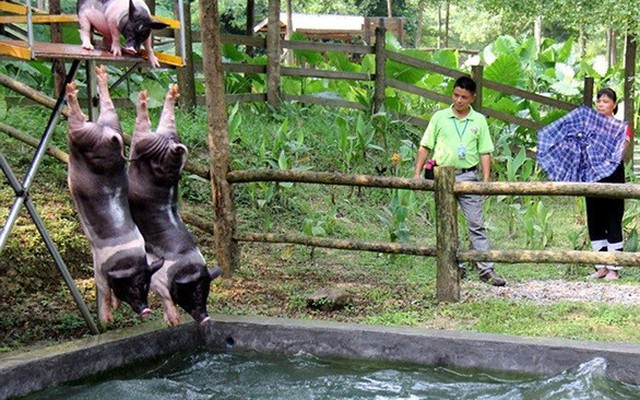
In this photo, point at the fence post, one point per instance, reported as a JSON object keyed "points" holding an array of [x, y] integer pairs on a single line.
{"points": [[224, 216], [447, 279], [477, 72], [587, 93], [273, 54], [378, 94]]}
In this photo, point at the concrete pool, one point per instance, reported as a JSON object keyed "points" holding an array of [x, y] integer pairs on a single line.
{"points": [[25, 372]]}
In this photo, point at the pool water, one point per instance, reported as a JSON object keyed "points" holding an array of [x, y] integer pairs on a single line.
{"points": [[202, 374]]}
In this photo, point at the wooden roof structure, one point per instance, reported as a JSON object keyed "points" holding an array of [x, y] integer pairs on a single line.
{"points": [[338, 27]]}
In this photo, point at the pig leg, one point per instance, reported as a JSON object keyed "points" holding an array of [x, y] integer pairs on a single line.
{"points": [[85, 32], [153, 60], [114, 31], [143, 123], [168, 117], [76, 117], [108, 116]]}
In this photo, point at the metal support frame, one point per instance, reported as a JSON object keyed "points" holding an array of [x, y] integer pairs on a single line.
{"points": [[22, 198]]}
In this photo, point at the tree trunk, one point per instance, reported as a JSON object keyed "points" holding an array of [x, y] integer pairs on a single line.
{"points": [[537, 32], [439, 38], [251, 22], [419, 23], [582, 40], [630, 47], [389, 12], [446, 24], [224, 224], [612, 48], [273, 54], [186, 73], [288, 32], [57, 65]]}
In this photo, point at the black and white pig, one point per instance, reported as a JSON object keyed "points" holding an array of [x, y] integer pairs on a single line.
{"points": [[157, 160], [98, 183], [131, 18]]}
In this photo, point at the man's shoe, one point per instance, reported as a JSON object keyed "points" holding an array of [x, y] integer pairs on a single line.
{"points": [[492, 278]]}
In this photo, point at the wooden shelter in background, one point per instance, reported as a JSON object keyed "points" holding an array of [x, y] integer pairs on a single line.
{"points": [[344, 28]]}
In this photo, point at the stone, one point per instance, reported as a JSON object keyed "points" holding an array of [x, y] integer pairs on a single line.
{"points": [[328, 299]]}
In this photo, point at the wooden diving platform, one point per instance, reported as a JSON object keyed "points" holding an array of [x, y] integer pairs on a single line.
{"points": [[43, 50]]}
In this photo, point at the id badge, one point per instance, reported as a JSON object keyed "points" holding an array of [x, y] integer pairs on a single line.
{"points": [[462, 152]]}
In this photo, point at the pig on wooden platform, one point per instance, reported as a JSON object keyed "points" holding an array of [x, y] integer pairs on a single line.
{"points": [[97, 179], [131, 18], [157, 160]]}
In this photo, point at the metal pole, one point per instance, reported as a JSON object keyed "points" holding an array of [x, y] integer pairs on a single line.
{"points": [[183, 37]]}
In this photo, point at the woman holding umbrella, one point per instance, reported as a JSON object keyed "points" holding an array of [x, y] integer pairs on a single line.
{"points": [[604, 216]]}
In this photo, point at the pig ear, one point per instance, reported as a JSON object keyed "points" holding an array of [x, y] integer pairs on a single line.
{"points": [[214, 272], [156, 265], [155, 24]]}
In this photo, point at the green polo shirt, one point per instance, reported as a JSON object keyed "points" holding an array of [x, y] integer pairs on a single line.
{"points": [[444, 140]]}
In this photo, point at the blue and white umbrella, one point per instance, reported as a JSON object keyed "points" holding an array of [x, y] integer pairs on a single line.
{"points": [[582, 146]]}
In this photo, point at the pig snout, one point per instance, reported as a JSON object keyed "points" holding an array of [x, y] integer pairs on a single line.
{"points": [[145, 313], [205, 321]]}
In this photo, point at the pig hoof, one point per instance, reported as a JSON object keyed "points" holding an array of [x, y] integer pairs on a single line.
{"points": [[87, 46], [174, 92], [143, 97], [205, 321], [71, 89]]}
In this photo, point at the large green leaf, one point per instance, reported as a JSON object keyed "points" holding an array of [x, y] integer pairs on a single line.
{"points": [[311, 57], [564, 51], [446, 58], [505, 45], [342, 62], [505, 69]]}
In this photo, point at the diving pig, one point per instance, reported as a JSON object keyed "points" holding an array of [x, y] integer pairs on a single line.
{"points": [[157, 160], [131, 18], [97, 180]]}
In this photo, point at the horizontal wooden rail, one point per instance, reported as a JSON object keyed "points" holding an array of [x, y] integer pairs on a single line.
{"points": [[243, 68], [527, 123], [254, 41], [552, 257], [328, 178], [429, 66], [324, 101], [513, 91], [319, 73], [610, 190], [322, 47], [343, 244], [406, 87]]}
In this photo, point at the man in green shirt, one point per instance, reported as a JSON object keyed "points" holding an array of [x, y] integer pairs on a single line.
{"points": [[459, 137]]}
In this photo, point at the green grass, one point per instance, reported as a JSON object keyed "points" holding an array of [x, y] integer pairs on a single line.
{"points": [[274, 280]]}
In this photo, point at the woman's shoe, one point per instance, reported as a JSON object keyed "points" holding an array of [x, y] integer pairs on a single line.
{"points": [[612, 275], [599, 274]]}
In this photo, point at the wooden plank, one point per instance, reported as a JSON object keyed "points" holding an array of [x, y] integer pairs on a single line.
{"points": [[406, 87], [319, 73], [244, 68], [416, 121], [18, 49], [253, 41], [13, 8], [15, 49], [563, 105], [447, 278], [325, 101], [39, 19], [173, 24], [401, 58], [322, 47], [527, 123], [245, 97]]}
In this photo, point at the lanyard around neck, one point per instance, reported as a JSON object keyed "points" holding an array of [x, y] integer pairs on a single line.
{"points": [[455, 124]]}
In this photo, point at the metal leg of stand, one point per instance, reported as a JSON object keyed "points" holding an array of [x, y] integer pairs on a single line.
{"points": [[22, 198]]}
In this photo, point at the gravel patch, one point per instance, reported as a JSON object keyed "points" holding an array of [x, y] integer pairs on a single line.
{"points": [[550, 291]]}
